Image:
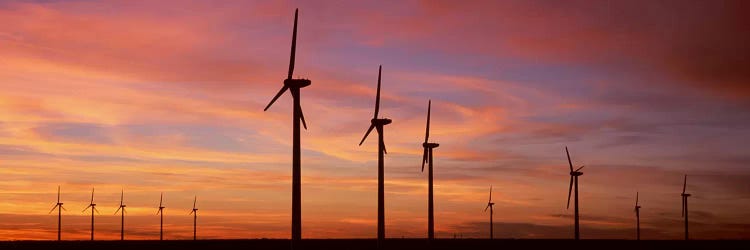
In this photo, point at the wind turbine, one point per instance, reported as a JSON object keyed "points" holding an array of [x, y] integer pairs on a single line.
{"points": [[490, 205], [195, 217], [685, 205], [59, 207], [378, 124], [294, 85], [637, 218], [92, 205], [427, 158], [574, 178], [122, 207], [160, 212]]}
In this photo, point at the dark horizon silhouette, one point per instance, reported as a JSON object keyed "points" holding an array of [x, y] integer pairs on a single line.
{"points": [[294, 86]]}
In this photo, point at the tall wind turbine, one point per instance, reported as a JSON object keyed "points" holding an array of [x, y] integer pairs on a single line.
{"points": [[160, 212], [59, 207], [490, 205], [378, 124], [92, 205], [637, 218], [685, 205], [294, 85], [427, 158], [195, 217], [574, 178], [122, 223]]}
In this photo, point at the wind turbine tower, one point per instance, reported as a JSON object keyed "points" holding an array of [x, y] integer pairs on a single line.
{"points": [[122, 222], [574, 179], [59, 207], [491, 205], [427, 158], [160, 212], [92, 205], [378, 123], [294, 86], [194, 212]]}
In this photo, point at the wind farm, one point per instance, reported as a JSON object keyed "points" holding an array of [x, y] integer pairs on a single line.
{"points": [[172, 98]]}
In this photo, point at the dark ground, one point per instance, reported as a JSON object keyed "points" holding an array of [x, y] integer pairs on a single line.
{"points": [[395, 244]]}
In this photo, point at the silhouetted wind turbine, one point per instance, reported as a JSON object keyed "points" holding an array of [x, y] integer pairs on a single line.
{"points": [[195, 217], [160, 212], [427, 158], [574, 178], [378, 124], [294, 85], [122, 207], [490, 205], [59, 207], [92, 205], [637, 218], [685, 205]]}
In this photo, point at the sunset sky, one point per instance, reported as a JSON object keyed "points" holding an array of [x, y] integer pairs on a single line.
{"points": [[168, 96]]}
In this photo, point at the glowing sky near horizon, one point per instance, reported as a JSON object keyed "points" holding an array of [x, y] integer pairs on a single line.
{"points": [[168, 96]]}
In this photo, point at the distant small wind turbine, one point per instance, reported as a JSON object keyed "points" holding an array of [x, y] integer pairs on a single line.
{"points": [[685, 205], [574, 178], [378, 123], [427, 158], [93, 210], [491, 205], [195, 217], [637, 218], [122, 222], [59, 207], [160, 212]]}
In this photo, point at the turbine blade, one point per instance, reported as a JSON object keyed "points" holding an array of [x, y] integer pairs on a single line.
{"points": [[191, 212], [92, 195], [118, 209], [569, 162], [96, 210], [366, 134], [424, 158], [377, 96], [58, 194], [636, 198], [684, 184], [570, 189], [488, 206], [124, 211], [579, 168], [194, 201], [299, 109], [276, 97], [490, 200], [161, 198], [84, 210], [385, 151], [53, 208], [380, 131], [63, 208], [294, 46], [427, 131]]}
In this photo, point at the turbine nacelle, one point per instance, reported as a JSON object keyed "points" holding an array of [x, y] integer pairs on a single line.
{"points": [[380, 121], [297, 83], [430, 145], [685, 195], [576, 173]]}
